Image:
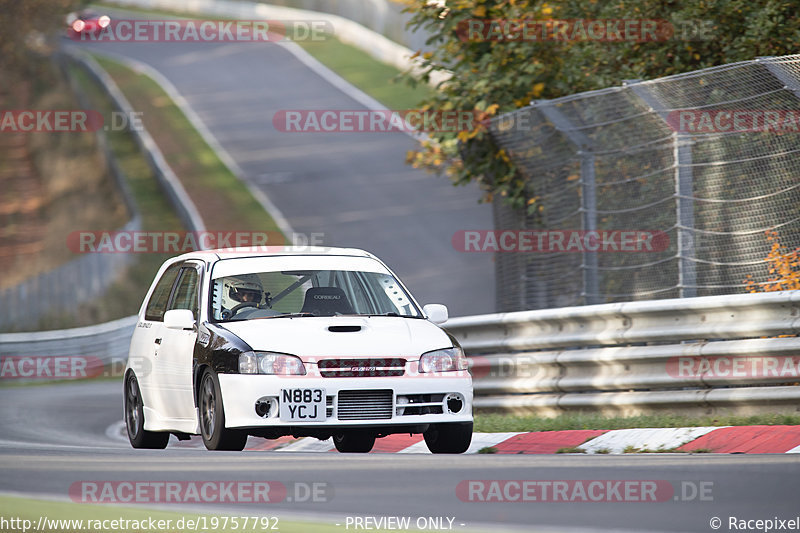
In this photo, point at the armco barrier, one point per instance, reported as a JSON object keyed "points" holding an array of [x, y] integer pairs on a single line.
{"points": [[695, 354], [63, 289], [614, 358], [167, 179], [81, 279], [107, 342], [377, 27]]}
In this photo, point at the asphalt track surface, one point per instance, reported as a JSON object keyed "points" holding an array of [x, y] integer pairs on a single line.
{"points": [[353, 187], [357, 189], [53, 436]]}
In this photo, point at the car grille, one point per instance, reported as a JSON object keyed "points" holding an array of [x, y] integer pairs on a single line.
{"points": [[349, 368], [364, 404]]}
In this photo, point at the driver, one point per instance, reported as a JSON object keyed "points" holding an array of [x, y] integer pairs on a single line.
{"points": [[241, 289]]}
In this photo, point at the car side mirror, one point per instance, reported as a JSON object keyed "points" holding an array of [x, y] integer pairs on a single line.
{"points": [[437, 313], [179, 319]]}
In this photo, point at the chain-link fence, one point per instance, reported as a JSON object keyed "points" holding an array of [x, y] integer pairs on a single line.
{"points": [[710, 158]]}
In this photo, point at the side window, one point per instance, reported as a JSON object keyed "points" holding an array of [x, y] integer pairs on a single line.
{"points": [[158, 301], [186, 291], [275, 283]]}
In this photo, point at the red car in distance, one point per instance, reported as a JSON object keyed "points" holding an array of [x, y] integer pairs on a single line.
{"points": [[87, 22]]}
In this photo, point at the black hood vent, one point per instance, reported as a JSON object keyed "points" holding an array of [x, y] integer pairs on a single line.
{"points": [[344, 329]]}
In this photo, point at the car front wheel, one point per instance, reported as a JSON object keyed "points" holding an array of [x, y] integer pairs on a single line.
{"points": [[449, 438], [212, 418], [134, 419], [354, 442]]}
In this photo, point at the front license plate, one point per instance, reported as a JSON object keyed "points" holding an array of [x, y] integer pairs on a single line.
{"points": [[302, 405]]}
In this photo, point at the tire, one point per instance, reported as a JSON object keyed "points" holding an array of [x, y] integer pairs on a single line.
{"points": [[134, 419], [212, 417], [354, 442], [449, 438]]}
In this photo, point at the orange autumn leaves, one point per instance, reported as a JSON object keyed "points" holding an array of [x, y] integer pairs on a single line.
{"points": [[783, 266]]}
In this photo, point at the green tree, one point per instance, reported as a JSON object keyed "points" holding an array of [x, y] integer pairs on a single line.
{"points": [[29, 31], [494, 75]]}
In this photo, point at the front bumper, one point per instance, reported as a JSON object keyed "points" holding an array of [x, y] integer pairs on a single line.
{"points": [[241, 392]]}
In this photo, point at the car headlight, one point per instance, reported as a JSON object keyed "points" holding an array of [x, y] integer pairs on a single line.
{"points": [[278, 364], [449, 359]]}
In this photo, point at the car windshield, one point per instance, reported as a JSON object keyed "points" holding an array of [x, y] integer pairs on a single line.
{"points": [[304, 293]]}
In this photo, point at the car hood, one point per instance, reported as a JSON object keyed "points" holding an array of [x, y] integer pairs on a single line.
{"points": [[310, 337]]}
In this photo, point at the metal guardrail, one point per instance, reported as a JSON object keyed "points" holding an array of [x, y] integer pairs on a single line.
{"points": [[62, 289], [618, 359], [83, 278], [383, 18], [169, 182], [105, 344], [376, 27], [710, 354]]}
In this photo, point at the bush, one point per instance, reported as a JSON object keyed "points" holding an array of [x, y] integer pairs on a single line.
{"points": [[497, 76]]}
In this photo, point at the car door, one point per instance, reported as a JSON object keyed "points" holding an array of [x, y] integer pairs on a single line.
{"points": [[144, 345], [175, 352]]}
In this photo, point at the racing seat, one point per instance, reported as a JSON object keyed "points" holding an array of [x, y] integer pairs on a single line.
{"points": [[326, 301]]}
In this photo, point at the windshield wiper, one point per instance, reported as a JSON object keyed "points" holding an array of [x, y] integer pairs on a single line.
{"points": [[390, 313], [284, 315]]}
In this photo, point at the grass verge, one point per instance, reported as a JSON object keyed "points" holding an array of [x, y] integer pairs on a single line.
{"points": [[375, 78], [571, 449], [500, 423], [124, 297], [223, 201]]}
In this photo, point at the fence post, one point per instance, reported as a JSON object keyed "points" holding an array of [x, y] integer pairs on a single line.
{"points": [[774, 68], [591, 285], [684, 195]]}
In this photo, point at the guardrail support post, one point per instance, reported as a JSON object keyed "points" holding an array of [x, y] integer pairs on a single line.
{"points": [[591, 285], [684, 179], [775, 69]]}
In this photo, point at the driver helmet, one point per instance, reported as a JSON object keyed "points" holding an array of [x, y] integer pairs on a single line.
{"points": [[242, 288]]}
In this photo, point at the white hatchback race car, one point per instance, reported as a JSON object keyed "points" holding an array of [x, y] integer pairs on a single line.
{"points": [[309, 342]]}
